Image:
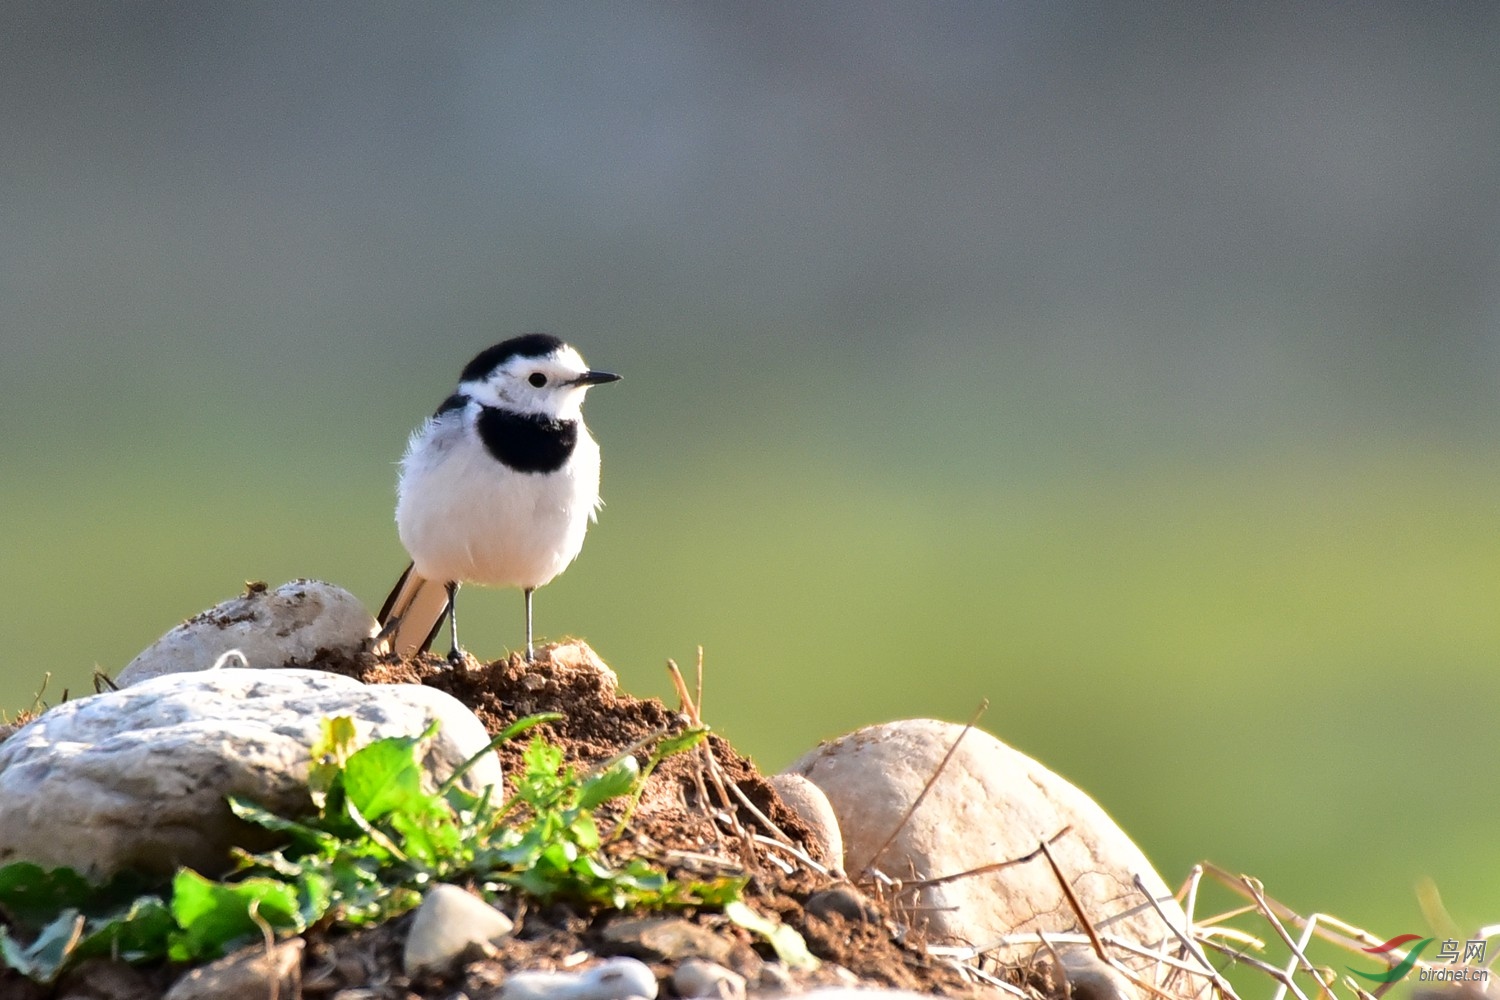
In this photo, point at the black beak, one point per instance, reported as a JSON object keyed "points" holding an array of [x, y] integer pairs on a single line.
{"points": [[596, 378]]}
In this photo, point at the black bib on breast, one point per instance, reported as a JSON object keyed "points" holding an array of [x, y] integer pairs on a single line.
{"points": [[525, 442]]}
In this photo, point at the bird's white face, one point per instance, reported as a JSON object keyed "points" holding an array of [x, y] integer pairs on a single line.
{"points": [[550, 386]]}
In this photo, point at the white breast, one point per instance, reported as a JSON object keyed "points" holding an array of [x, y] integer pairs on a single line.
{"points": [[464, 516]]}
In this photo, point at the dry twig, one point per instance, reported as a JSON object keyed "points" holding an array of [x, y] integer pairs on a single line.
{"points": [[931, 780]]}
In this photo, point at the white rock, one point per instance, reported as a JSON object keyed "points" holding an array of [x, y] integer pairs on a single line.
{"points": [[775, 979], [250, 973], [990, 804], [538, 985], [269, 628], [572, 665], [812, 806], [697, 978], [1089, 978], [450, 922], [136, 778], [613, 979], [617, 979]]}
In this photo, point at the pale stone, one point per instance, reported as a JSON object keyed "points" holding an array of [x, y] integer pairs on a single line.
{"points": [[1089, 978], [252, 973], [812, 806], [697, 978], [538, 984], [666, 939], [572, 664], [774, 979], [449, 923], [137, 778], [613, 979], [267, 628], [990, 804], [617, 979], [845, 900]]}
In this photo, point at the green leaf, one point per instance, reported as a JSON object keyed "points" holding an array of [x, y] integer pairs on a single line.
{"points": [[786, 942], [720, 892], [430, 838], [213, 915], [328, 753], [45, 957], [385, 776], [315, 893], [542, 758], [509, 733], [583, 832], [616, 780], [32, 895], [137, 933], [308, 838], [685, 740], [358, 894]]}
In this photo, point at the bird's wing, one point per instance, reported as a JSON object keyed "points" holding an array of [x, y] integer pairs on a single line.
{"points": [[411, 616]]}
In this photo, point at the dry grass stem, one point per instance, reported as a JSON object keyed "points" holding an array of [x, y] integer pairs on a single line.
{"points": [[794, 851], [1353, 939], [1072, 898], [1188, 944], [914, 885], [1250, 961], [760, 817], [710, 767], [1296, 933], [931, 780], [1299, 958]]}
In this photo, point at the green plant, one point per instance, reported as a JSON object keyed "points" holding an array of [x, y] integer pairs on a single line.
{"points": [[375, 838]]}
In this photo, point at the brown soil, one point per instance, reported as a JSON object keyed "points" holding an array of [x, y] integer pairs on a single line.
{"points": [[674, 826], [600, 722]]}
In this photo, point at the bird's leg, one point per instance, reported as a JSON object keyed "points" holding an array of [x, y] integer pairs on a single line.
{"points": [[455, 655], [530, 653]]}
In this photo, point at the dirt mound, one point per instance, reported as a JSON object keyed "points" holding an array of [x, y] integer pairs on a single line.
{"points": [[684, 824]]}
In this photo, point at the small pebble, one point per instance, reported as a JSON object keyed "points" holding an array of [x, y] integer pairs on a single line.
{"points": [[697, 978], [809, 802], [449, 923], [537, 985], [845, 900], [775, 976], [666, 939], [618, 978], [1090, 978], [251, 971], [615, 979], [843, 975]]}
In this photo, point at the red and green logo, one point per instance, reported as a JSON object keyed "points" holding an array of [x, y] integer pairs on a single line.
{"points": [[1399, 970]]}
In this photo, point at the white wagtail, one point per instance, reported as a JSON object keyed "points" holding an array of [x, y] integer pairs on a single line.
{"points": [[497, 487]]}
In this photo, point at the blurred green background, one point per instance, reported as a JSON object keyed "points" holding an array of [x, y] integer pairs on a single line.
{"points": [[1132, 368]]}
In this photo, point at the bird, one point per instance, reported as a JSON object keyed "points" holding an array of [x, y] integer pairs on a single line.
{"points": [[497, 488]]}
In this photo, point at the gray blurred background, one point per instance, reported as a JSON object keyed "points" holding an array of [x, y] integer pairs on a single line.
{"points": [[1133, 367]]}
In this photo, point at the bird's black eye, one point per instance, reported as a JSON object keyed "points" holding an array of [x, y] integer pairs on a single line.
{"points": [[537, 379]]}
